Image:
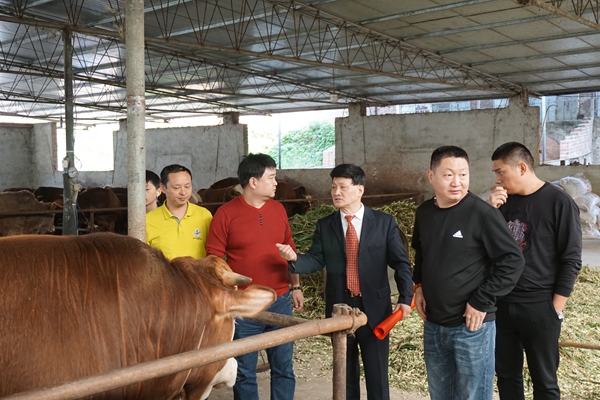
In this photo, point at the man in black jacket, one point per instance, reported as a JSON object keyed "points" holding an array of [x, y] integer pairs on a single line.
{"points": [[545, 223]]}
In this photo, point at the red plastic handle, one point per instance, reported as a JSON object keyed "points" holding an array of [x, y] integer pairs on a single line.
{"points": [[387, 324]]}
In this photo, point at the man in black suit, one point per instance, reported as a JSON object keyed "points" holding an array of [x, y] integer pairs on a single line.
{"points": [[379, 245]]}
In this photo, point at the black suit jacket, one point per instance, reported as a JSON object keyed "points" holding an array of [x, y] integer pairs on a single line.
{"points": [[380, 247]]}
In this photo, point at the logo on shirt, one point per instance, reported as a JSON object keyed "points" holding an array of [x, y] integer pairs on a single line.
{"points": [[458, 234], [197, 234], [520, 232]]}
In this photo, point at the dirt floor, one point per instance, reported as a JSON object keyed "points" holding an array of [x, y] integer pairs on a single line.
{"points": [[313, 381]]}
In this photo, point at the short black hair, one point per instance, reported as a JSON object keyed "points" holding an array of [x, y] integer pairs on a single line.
{"points": [[151, 177], [446, 151], [254, 166], [171, 169], [512, 153], [350, 171]]}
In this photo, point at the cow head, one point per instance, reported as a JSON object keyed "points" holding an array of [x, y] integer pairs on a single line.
{"points": [[219, 288]]}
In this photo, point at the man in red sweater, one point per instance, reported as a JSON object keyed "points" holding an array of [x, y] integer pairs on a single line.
{"points": [[246, 230]]}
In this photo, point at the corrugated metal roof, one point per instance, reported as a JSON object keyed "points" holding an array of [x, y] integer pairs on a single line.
{"points": [[266, 56]]}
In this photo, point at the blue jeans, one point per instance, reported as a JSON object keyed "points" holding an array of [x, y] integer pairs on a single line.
{"points": [[283, 381], [460, 362]]}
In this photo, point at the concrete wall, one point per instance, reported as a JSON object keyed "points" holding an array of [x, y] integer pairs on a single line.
{"points": [[15, 155], [210, 152], [27, 154], [394, 150]]}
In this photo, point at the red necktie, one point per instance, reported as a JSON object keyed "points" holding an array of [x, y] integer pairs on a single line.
{"points": [[352, 257]]}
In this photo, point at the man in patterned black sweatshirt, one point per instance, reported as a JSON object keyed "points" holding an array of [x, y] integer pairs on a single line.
{"points": [[545, 223]]}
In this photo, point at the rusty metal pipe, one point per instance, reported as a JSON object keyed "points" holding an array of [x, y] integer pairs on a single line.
{"points": [[191, 359], [270, 318], [590, 346]]}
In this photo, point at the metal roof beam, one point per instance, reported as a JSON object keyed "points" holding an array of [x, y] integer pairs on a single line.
{"points": [[548, 70], [422, 11], [383, 51], [399, 58], [518, 42], [580, 8], [479, 27], [537, 57]]}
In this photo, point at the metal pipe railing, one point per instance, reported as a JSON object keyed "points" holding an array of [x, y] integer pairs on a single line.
{"points": [[344, 320]]}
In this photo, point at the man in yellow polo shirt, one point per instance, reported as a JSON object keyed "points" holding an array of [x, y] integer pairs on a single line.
{"points": [[178, 227]]}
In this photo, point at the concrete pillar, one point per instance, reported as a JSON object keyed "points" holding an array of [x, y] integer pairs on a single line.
{"points": [[136, 114], [70, 187], [357, 109], [231, 118]]}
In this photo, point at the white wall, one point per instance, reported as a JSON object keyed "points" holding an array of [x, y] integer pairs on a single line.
{"points": [[394, 150], [210, 152], [15, 155]]}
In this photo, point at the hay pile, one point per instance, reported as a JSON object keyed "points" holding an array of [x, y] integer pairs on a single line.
{"points": [[579, 371]]}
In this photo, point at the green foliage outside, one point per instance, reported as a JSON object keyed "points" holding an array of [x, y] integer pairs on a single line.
{"points": [[303, 148], [261, 141]]}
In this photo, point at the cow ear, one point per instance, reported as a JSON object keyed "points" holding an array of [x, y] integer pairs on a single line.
{"points": [[247, 303]]}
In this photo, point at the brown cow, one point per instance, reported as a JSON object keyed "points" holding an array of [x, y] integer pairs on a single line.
{"points": [[24, 201], [97, 197], [48, 193], [18, 189], [223, 183], [220, 195], [73, 306], [285, 191], [121, 223], [52, 194]]}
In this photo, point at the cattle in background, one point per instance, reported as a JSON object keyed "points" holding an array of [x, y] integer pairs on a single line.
{"points": [[100, 302], [98, 198], [286, 191], [218, 195], [24, 201], [223, 183], [121, 223], [305, 205], [18, 189], [49, 194], [228, 189], [52, 194]]}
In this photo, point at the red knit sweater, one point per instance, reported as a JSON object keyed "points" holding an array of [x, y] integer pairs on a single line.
{"points": [[247, 235]]}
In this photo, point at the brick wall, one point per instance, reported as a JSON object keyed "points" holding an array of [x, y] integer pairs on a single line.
{"points": [[579, 142], [329, 157]]}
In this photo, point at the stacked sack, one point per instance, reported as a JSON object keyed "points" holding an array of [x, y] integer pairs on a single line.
{"points": [[580, 189]]}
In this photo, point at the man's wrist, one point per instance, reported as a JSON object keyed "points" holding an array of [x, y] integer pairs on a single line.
{"points": [[292, 288]]}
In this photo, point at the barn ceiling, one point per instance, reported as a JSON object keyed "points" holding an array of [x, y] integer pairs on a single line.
{"points": [[269, 56]]}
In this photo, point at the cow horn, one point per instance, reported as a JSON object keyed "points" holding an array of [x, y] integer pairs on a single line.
{"points": [[230, 278]]}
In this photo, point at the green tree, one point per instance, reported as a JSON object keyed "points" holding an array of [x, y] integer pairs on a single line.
{"points": [[303, 148], [260, 141]]}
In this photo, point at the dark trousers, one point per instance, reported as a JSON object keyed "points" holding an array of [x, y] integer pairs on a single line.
{"points": [[374, 354], [535, 328]]}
